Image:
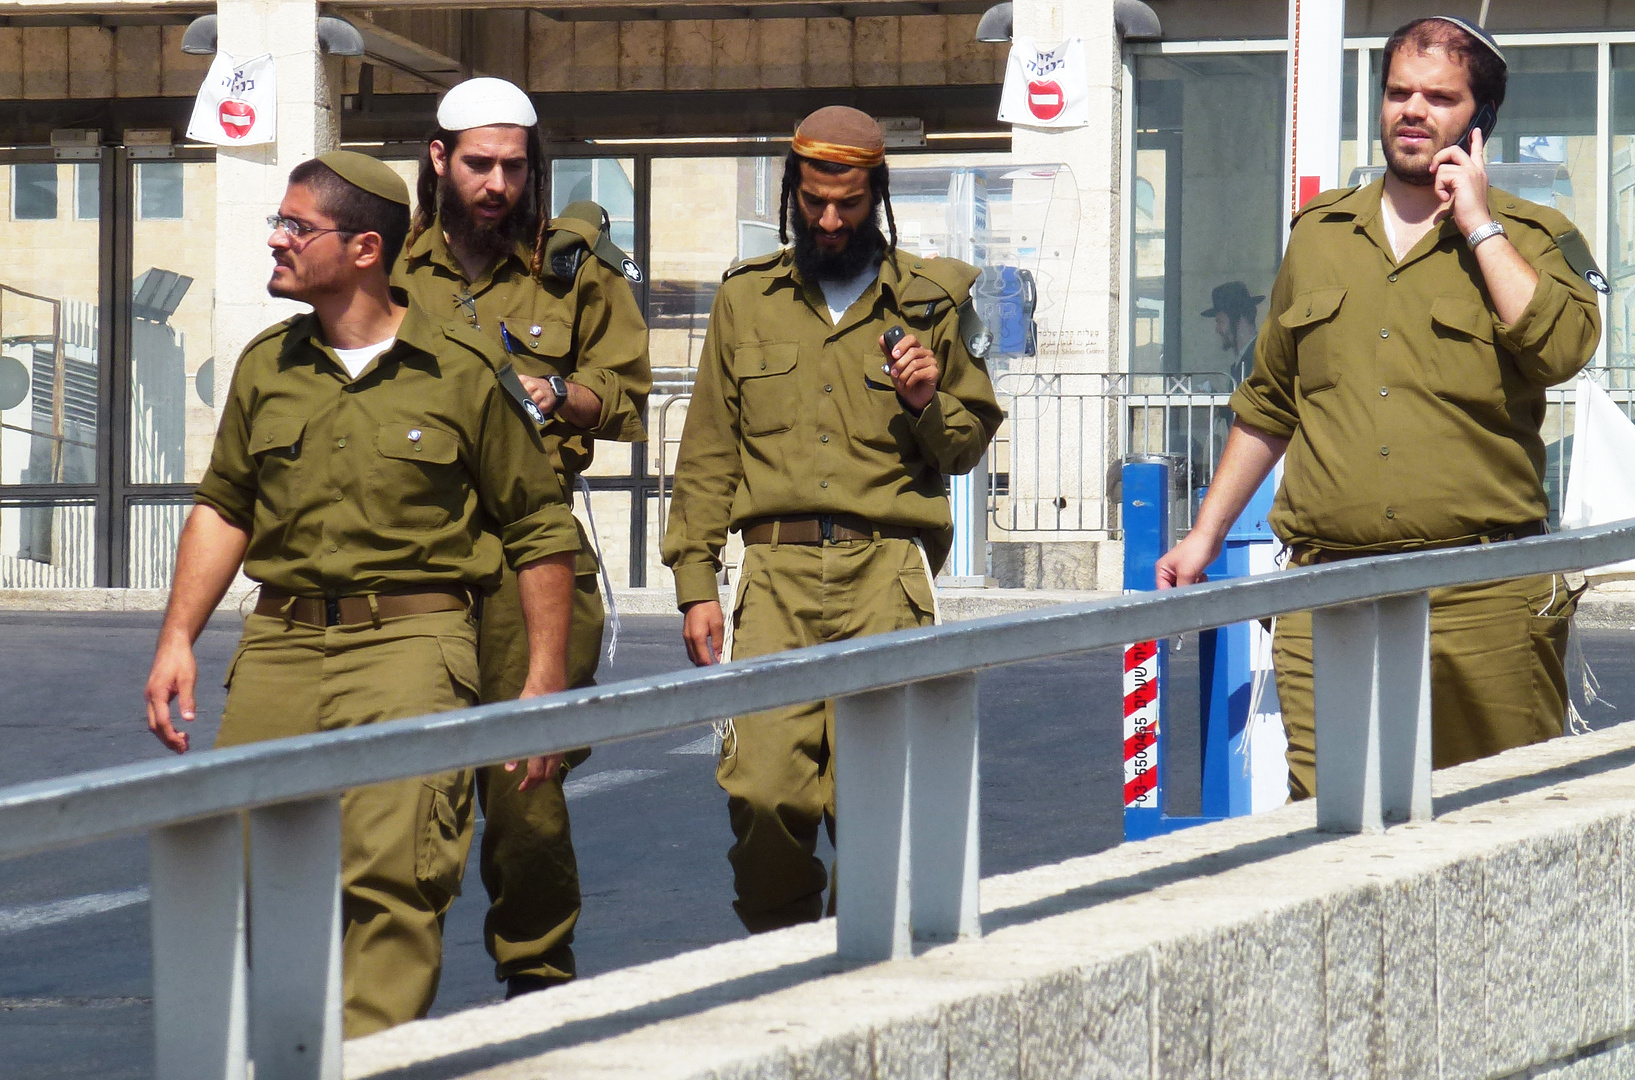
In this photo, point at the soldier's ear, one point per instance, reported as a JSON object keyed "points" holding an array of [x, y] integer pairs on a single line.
{"points": [[439, 157]]}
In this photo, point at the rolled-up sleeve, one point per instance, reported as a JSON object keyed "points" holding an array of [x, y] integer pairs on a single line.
{"points": [[229, 483], [612, 359], [1558, 331], [954, 429], [1266, 400], [525, 502]]}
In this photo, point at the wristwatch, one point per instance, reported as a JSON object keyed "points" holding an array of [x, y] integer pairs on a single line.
{"points": [[559, 387], [1484, 232]]}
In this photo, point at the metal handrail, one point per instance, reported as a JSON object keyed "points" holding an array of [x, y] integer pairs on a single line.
{"points": [[133, 798], [907, 773]]}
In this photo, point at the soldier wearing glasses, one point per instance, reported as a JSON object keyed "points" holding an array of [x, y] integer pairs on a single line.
{"points": [[371, 473]]}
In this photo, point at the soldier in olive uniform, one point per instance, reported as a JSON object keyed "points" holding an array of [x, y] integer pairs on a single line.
{"points": [[371, 473], [1412, 331], [563, 311], [826, 449]]}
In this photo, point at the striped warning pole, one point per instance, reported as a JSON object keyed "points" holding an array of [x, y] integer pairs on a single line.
{"points": [[1141, 709]]}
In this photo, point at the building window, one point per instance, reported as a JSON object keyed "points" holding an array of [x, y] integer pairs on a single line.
{"points": [[34, 192], [88, 192], [159, 190]]}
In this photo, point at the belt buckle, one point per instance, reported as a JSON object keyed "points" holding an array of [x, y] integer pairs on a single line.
{"points": [[826, 528], [332, 611]]}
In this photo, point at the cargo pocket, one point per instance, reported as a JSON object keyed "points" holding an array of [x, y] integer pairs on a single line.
{"points": [[460, 660], [921, 600], [445, 832]]}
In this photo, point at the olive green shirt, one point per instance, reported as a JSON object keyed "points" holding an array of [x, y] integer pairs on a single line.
{"points": [[387, 481], [588, 329], [792, 415], [1412, 410]]}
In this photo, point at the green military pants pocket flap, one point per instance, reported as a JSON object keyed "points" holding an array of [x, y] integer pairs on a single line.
{"points": [[766, 358], [461, 660], [1467, 317], [920, 597], [417, 442], [1310, 308], [445, 807], [276, 434]]}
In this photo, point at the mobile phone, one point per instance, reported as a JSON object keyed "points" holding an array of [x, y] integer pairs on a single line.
{"points": [[893, 336], [1485, 118]]}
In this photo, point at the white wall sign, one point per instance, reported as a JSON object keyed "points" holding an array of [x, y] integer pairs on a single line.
{"points": [[237, 103], [1046, 89]]}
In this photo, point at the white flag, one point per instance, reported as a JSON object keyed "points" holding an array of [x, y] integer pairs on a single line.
{"points": [[1045, 89], [1600, 483], [237, 103]]}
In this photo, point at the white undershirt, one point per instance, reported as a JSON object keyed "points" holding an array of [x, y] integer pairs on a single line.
{"points": [[1391, 235], [355, 360], [840, 295]]}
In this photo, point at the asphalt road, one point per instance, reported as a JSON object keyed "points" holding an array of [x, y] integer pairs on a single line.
{"points": [[649, 823]]}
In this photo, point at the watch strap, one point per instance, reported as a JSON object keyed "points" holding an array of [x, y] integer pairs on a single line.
{"points": [[1485, 232]]}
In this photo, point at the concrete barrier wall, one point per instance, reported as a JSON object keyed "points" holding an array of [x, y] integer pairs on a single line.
{"points": [[1494, 942]]}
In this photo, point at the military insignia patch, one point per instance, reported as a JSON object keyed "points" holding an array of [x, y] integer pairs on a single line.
{"points": [[1577, 253], [519, 395], [631, 270]]}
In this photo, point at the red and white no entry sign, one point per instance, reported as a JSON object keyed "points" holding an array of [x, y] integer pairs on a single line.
{"points": [[1045, 89]]}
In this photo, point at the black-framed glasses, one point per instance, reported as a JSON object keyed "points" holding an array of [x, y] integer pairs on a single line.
{"points": [[296, 229]]}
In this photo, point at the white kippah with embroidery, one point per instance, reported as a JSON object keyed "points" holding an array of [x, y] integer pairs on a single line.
{"points": [[482, 102]]}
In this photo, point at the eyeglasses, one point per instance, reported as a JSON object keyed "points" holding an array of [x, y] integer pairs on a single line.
{"points": [[298, 230]]}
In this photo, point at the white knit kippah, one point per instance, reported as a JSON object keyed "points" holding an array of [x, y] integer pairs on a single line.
{"points": [[481, 102]]}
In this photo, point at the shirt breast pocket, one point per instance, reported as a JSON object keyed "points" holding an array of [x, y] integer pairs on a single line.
{"points": [[275, 445], [767, 398], [1466, 367], [417, 481], [1313, 319], [552, 346]]}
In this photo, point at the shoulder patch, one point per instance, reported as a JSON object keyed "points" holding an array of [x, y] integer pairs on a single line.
{"points": [[973, 332], [512, 385], [1577, 254], [572, 236], [755, 262]]}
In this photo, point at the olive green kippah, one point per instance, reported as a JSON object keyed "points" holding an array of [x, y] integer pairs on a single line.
{"points": [[370, 174]]}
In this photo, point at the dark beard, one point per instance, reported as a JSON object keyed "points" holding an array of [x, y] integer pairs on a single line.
{"points": [[487, 242], [1414, 174], [862, 251]]}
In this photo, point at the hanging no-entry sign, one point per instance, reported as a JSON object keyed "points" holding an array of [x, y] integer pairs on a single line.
{"points": [[1045, 89]]}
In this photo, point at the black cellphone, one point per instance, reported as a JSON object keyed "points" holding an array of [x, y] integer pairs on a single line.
{"points": [[893, 336], [1485, 118]]}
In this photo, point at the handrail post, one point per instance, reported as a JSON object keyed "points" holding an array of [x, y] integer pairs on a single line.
{"points": [[872, 838], [295, 936], [1372, 688], [908, 828], [944, 784], [196, 873]]}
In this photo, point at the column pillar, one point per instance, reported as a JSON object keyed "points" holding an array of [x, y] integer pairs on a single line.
{"points": [[250, 180], [1080, 438]]}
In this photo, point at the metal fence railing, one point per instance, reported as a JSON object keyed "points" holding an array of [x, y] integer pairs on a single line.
{"points": [[907, 774]]}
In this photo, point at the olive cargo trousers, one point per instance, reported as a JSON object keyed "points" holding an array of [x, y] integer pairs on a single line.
{"points": [[527, 860], [403, 843], [777, 767], [1498, 673]]}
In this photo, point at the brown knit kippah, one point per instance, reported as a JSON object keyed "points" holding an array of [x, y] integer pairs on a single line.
{"points": [[840, 134]]}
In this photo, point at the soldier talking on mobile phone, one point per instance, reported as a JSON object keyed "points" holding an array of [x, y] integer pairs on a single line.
{"points": [[1411, 334]]}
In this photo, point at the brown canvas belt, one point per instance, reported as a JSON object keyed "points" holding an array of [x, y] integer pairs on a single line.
{"points": [[353, 610], [1309, 555], [825, 528]]}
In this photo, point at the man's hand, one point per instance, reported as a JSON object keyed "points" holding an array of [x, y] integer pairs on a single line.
{"points": [[174, 675], [703, 629], [1184, 564], [1461, 184], [540, 390], [541, 769], [913, 372]]}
